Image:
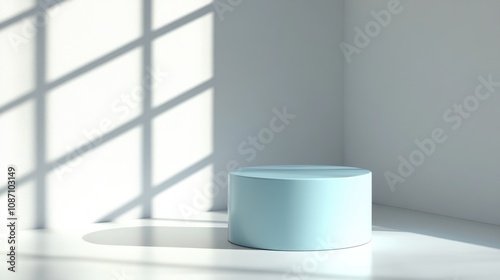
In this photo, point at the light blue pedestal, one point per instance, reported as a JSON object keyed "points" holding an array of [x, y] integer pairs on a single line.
{"points": [[300, 207]]}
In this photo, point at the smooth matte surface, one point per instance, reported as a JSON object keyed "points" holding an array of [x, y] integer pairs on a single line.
{"points": [[299, 172], [407, 245], [301, 207]]}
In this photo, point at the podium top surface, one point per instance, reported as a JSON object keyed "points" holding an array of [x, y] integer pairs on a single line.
{"points": [[299, 172]]}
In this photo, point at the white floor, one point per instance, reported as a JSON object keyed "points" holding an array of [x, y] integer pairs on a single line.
{"points": [[405, 245]]}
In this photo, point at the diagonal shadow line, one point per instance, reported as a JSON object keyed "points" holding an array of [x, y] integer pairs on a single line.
{"points": [[112, 55], [181, 98], [30, 12], [119, 130], [95, 63], [182, 21], [19, 181], [17, 102], [18, 17], [156, 190]]}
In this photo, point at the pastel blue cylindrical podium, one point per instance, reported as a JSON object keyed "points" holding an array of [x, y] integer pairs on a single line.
{"points": [[300, 207]]}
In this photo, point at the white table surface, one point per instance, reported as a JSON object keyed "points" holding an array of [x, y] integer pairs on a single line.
{"points": [[406, 245]]}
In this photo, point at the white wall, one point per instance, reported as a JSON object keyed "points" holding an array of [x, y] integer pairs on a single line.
{"points": [[398, 88], [97, 135], [220, 76]]}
